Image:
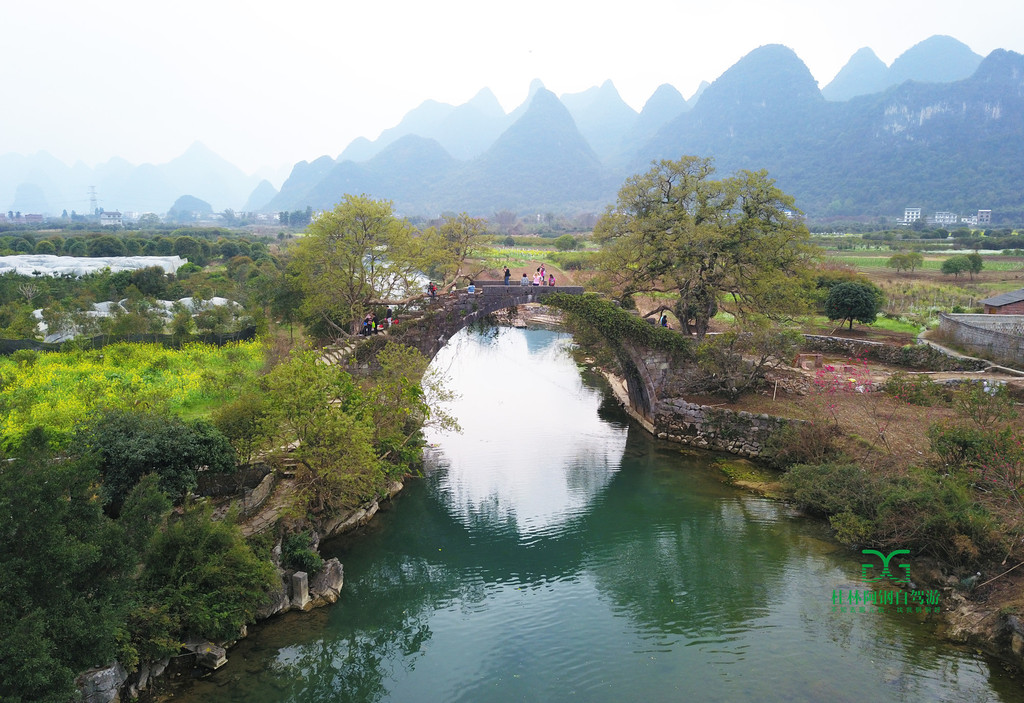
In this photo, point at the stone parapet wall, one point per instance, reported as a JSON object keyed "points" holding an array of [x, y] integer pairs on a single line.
{"points": [[996, 337], [738, 432]]}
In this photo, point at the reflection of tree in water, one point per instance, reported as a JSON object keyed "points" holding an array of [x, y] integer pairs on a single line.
{"points": [[675, 566]]}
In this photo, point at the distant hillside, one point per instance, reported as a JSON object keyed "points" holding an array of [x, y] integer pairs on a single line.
{"points": [[464, 131], [942, 129], [541, 162], [953, 146], [120, 185], [260, 196], [863, 74], [602, 117], [939, 144], [938, 59]]}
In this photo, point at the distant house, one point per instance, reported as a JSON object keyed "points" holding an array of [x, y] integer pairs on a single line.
{"points": [[911, 215], [984, 217], [1011, 303], [945, 218], [110, 219]]}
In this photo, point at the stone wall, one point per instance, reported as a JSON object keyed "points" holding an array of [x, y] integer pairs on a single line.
{"points": [[737, 432], [996, 337], [912, 356]]}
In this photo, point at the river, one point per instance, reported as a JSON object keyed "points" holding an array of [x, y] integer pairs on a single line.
{"points": [[554, 551]]}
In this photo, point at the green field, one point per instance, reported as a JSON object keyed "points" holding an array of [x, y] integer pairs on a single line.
{"points": [[867, 261]]}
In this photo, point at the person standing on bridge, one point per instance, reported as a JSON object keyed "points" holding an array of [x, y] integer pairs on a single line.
{"points": [[524, 281], [551, 280], [508, 275]]}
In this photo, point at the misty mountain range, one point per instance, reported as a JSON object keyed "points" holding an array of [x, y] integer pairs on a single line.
{"points": [[942, 128]]}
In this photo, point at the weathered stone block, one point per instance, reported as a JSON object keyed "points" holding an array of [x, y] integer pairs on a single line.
{"points": [[325, 586], [300, 590], [102, 685]]}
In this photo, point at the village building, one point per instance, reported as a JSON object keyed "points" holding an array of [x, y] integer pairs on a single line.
{"points": [[1011, 303]]}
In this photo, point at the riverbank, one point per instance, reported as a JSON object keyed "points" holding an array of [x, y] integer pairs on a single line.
{"points": [[983, 609], [591, 561]]}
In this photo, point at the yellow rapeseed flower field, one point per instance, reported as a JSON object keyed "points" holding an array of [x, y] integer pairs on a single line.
{"points": [[58, 390]]}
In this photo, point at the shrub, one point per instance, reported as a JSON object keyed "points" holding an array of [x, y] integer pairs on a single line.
{"points": [[297, 553], [802, 443], [567, 242], [202, 578], [830, 489], [128, 444], [913, 388]]}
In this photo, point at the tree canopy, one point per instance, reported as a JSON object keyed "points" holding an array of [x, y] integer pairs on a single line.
{"points": [[360, 254], [678, 231], [63, 569], [853, 301]]}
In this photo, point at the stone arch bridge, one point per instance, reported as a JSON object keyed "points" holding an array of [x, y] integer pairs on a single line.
{"points": [[444, 316], [429, 329]]}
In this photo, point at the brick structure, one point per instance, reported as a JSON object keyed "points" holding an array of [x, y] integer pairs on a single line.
{"points": [[1011, 303]]}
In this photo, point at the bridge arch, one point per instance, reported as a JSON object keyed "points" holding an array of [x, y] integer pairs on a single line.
{"points": [[444, 317]]}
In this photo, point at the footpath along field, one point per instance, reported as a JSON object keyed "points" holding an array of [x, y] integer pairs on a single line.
{"points": [[57, 390]]}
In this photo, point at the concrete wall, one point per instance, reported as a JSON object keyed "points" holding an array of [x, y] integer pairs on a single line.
{"points": [[996, 337]]}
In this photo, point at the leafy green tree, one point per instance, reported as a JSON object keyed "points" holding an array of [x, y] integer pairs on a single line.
{"points": [[227, 248], [245, 421], [674, 230], [128, 444], [149, 221], [151, 281], [63, 568], [182, 324], [321, 407], [446, 248], [76, 247], [853, 301], [906, 261], [956, 265], [191, 249], [354, 256], [106, 246], [974, 263], [45, 247], [567, 242]]}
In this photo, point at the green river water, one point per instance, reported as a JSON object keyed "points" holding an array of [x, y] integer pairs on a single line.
{"points": [[554, 552]]}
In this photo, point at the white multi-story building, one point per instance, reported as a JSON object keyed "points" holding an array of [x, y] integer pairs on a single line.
{"points": [[911, 214], [110, 219], [946, 218]]}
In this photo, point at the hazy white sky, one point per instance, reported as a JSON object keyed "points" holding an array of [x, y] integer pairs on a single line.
{"points": [[271, 83]]}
